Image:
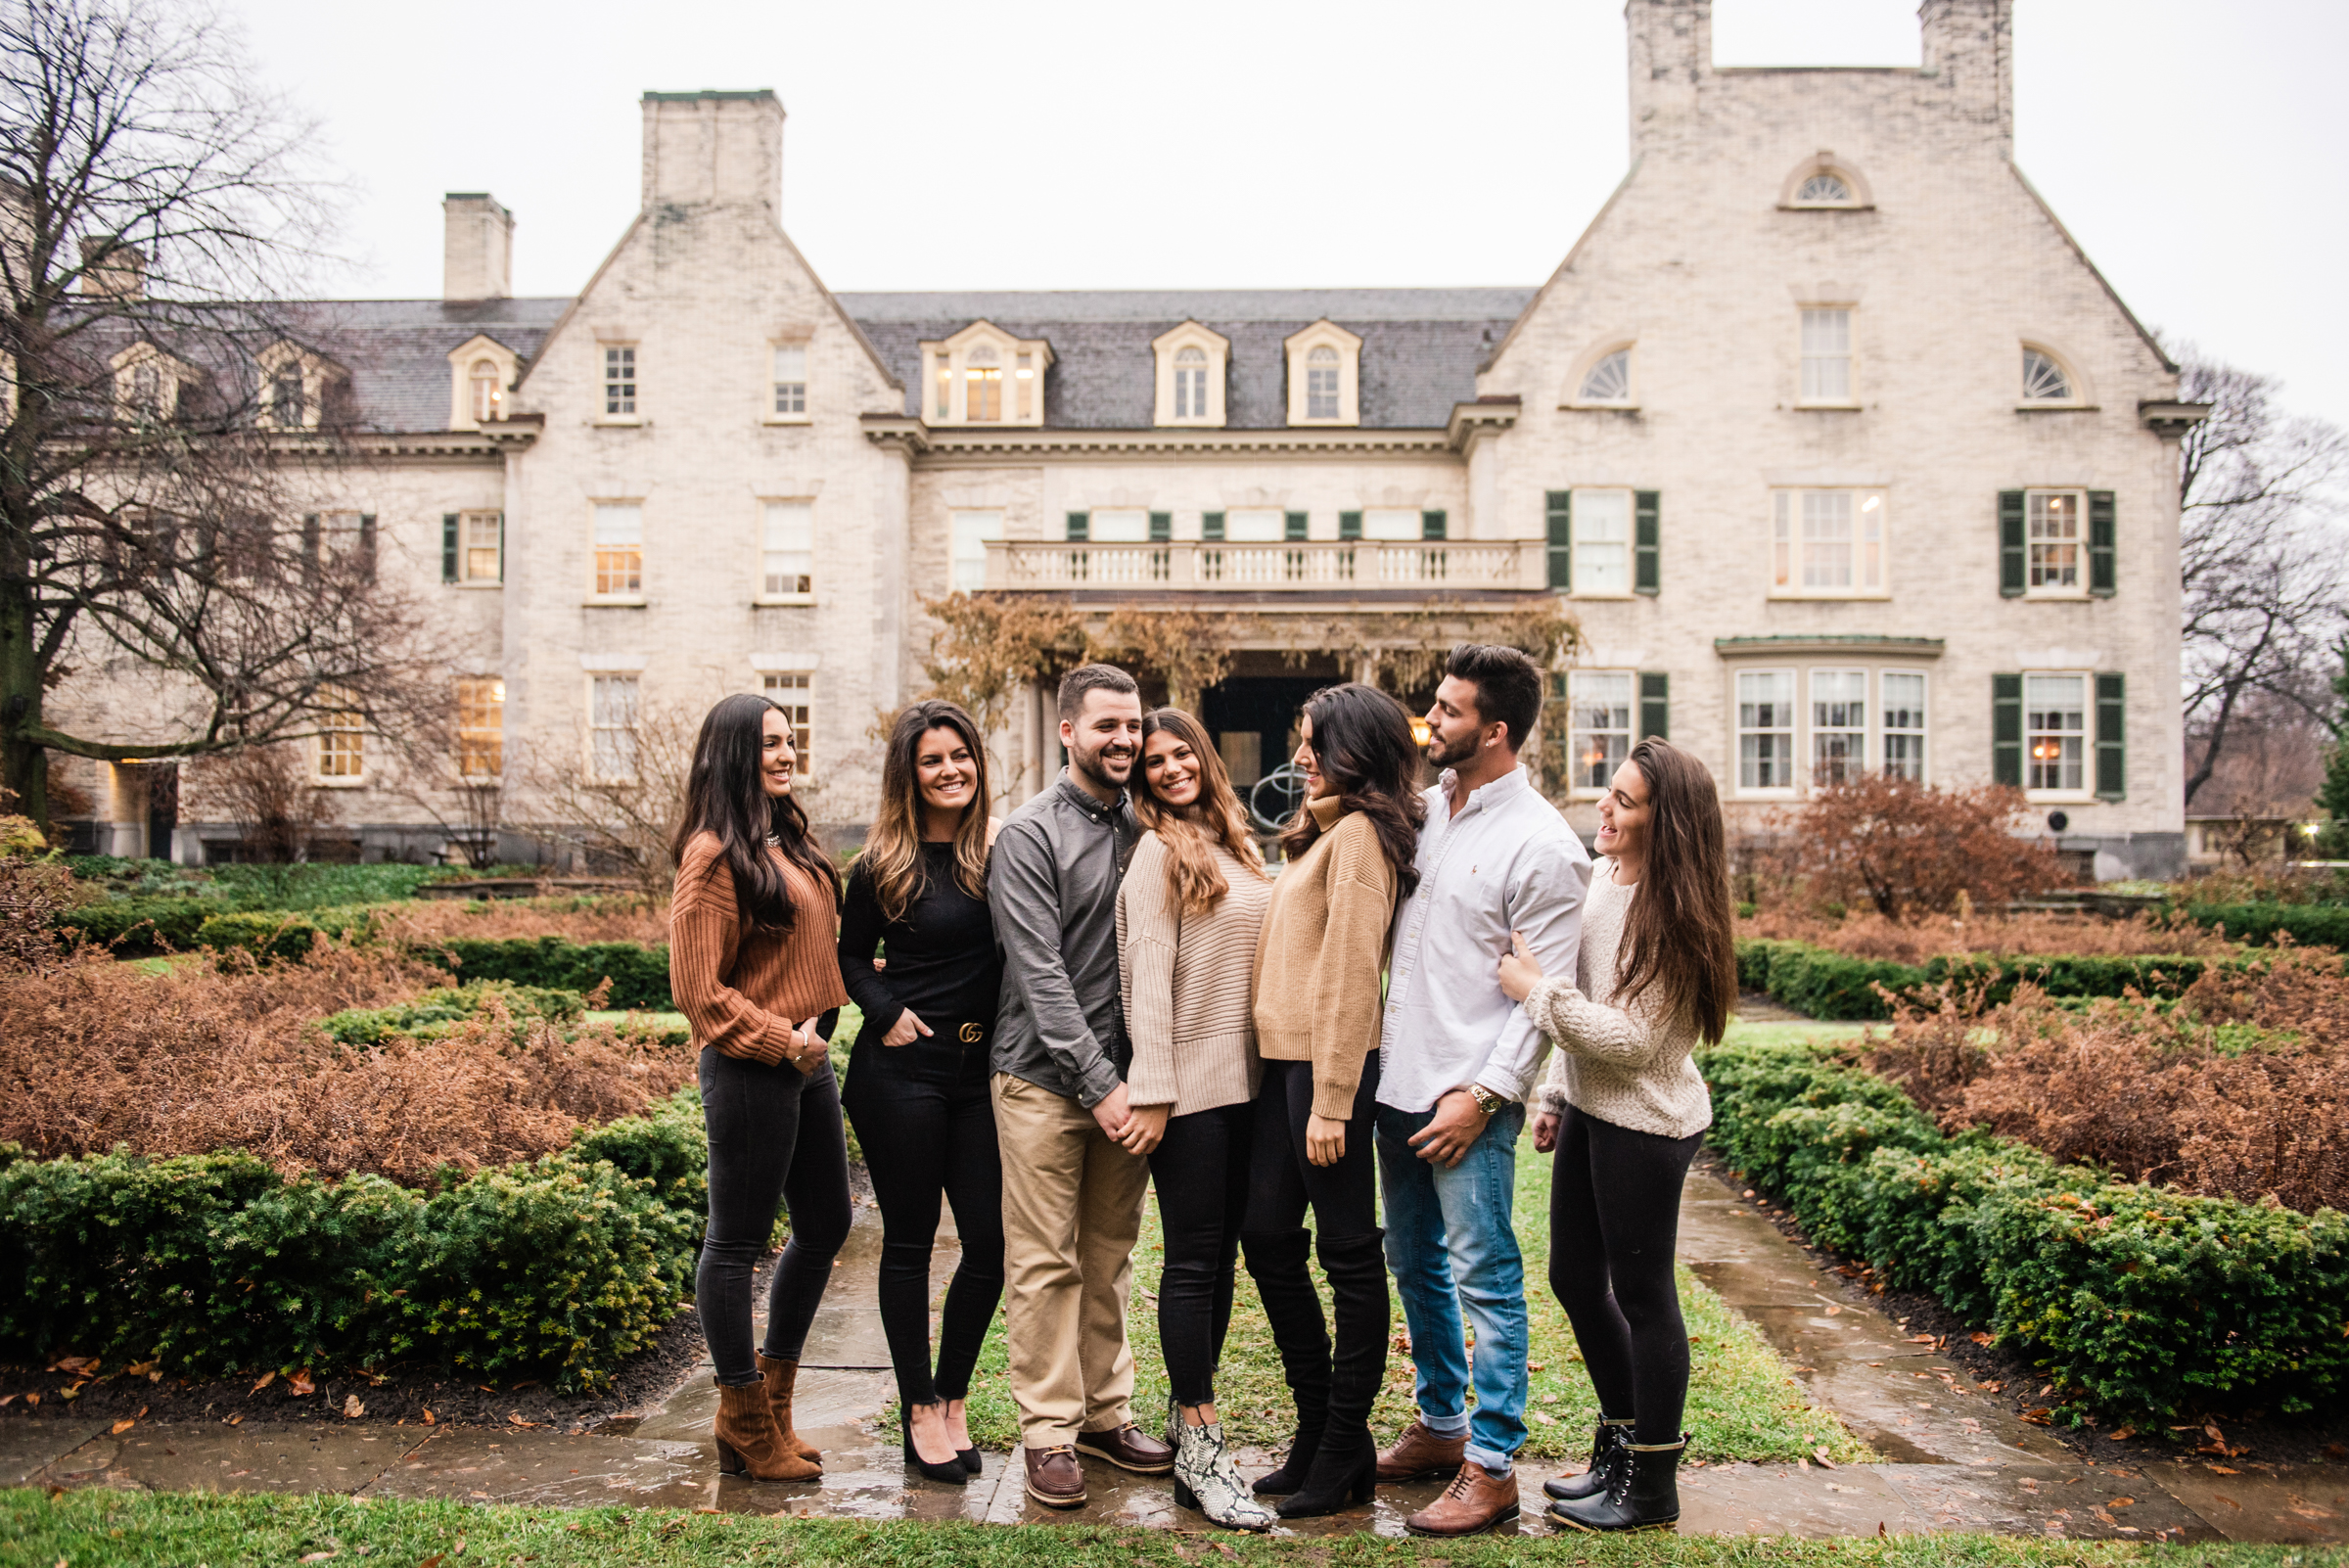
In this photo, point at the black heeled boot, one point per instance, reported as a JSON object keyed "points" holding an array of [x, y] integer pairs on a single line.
{"points": [[1644, 1494], [1607, 1442], [1345, 1471], [1277, 1263]]}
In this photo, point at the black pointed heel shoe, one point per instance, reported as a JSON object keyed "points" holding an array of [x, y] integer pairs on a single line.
{"points": [[952, 1471]]}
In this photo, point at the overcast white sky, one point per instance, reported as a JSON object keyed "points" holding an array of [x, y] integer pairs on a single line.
{"points": [[2196, 148]]}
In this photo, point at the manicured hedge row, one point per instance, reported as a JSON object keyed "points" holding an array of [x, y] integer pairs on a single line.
{"points": [[1824, 984], [2137, 1298], [283, 934], [214, 1264], [133, 926], [433, 1014], [639, 974], [2310, 925]]}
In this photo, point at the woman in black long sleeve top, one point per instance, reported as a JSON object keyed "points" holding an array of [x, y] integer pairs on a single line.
{"points": [[917, 1090]]}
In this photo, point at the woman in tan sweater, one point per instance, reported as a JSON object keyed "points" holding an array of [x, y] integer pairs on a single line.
{"points": [[1188, 914], [1350, 852], [753, 964]]}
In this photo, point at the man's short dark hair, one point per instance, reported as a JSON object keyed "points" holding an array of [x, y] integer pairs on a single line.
{"points": [[1508, 686], [1091, 677]]}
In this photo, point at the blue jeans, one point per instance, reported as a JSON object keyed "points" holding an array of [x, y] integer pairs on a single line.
{"points": [[1452, 1244]]}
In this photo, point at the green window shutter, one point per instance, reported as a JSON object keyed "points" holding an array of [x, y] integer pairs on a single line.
{"points": [[2100, 521], [2006, 731], [1293, 525], [1559, 509], [1211, 526], [1655, 705], [2112, 750], [1350, 525], [449, 547], [1080, 526], [1648, 568], [2012, 552], [309, 542], [1162, 526], [367, 545], [501, 546], [1431, 526]]}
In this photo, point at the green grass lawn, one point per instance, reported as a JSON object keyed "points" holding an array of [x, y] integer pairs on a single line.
{"points": [[181, 1530], [1744, 1404]]}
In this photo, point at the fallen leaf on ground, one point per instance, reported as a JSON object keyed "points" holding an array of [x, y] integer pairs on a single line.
{"points": [[31, 1400], [2122, 1434], [1920, 1339], [235, 1421], [2220, 1469], [1979, 1337], [317, 1556], [74, 1363], [1820, 1455], [352, 1410], [433, 1561], [300, 1382], [514, 1416], [428, 1418], [2043, 1417], [1834, 1311], [267, 1378], [709, 1510]]}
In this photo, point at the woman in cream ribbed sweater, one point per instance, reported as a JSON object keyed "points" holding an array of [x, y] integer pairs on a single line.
{"points": [[1188, 914], [1625, 1110]]}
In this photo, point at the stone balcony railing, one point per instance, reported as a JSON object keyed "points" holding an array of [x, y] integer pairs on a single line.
{"points": [[1435, 565]]}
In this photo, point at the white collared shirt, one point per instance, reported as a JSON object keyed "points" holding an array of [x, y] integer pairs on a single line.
{"points": [[1506, 862]]}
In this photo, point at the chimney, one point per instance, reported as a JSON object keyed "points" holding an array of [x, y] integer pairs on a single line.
{"points": [[112, 270], [1671, 52], [714, 147], [477, 251], [1969, 55]]}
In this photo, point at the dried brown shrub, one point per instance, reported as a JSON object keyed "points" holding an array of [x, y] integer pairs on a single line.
{"points": [[1912, 942], [2153, 1093], [218, 1054], [629, 917], [1908, 848]]}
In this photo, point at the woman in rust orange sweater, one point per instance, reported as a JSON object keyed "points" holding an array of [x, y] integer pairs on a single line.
{"points": [[754, 964]]}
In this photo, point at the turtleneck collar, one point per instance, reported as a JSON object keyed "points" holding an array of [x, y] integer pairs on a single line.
{"points": [[1326, 809]]}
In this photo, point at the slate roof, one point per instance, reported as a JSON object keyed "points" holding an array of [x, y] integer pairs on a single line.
{"points": [[398, 350], [1420, 347]]}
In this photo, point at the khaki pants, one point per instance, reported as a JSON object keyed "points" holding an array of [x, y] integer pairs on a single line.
{"points": [[1072, 1209]]}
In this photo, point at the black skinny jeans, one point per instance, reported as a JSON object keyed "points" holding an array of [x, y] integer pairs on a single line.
{"points": [[1282, 1182], [775, 1137], [1614, 1225], [1200, 1169], [921, 1141]]}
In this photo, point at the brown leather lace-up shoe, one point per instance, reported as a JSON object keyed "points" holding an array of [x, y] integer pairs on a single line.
{"points": [[1054, 1478], [1129, 1448], [1476, 1500], [1420, 1451], [781, 1378], [748, 1443]]}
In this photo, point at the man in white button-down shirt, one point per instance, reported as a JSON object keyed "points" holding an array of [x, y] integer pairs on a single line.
{"points": [[1457, 1060]]}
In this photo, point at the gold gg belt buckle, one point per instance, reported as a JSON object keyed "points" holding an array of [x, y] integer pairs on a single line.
{"points": [[973, 1034]]}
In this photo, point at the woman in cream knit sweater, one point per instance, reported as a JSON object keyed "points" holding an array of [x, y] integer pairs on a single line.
{"points": [[1625, 1110], [1188, 914]]}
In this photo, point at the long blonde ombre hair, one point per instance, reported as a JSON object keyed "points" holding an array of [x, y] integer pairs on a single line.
{"points": [[1191, 832], [893, 850]]}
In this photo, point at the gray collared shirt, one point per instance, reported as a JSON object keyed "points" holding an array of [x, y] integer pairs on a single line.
{"points": [[1052, 889]]}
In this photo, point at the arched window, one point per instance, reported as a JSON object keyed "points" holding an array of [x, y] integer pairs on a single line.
{"points": [[982, 385], [1609, 381], [2044, 380], [1190, 383], [1321, 383], [1824, 186], [487, 397]]}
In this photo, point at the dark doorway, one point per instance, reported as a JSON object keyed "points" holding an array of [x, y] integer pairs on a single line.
{"points": [[162, 810]]}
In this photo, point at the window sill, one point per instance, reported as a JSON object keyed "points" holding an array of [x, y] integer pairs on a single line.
{"points": [[769, 600], [1845, 407], [985, 424], [2056, 408], [2054, 596], [485, 583], [1323, 424], [1826, 207], [2062, 797], [1611, 593], [358, 783], [1602, 408], [619, 421], [786, 419], [613, 600], [1790, 596], [1189, 423]]}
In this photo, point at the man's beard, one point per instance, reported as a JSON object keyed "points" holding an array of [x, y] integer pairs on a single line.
{"points": [[1450, 756], [1093, 766]]}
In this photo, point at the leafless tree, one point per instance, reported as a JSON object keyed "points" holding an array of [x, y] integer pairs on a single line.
{"points": [[167, 424], [615, 805], [2260, 557]]}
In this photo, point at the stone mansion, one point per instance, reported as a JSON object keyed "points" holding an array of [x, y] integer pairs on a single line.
{"points": [[1829, 435]]}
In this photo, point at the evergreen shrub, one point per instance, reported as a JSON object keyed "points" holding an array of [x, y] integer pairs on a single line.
{"points": [[639, 972], [2310, 925], [1820, 983]]}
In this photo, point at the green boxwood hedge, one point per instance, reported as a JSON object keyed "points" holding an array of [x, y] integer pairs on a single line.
{"points": [[141, 925], [430, 1015], [2134, 1297], [212, 1265], [1824, 984], [639, 974], [2310, 925], [285, 934]]}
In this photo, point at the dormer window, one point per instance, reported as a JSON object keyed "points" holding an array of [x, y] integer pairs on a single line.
{"points": [[1190, 383], [1325, 376], [484, 391], [1821, 181], [1190, 374], [481, 370], [148, 385], [295, 385], [985, 376], [983, 387], [286, 407]]}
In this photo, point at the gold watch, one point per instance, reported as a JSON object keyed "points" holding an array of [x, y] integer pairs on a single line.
{"points": [[1486, 1100]]}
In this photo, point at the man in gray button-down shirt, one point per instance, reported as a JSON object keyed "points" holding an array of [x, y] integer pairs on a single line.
{"points": [[1072, 1193]]}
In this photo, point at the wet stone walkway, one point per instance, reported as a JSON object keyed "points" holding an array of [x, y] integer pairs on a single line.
{"points": [[1954, 1459]]}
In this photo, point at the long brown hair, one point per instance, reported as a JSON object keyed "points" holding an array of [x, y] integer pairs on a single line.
{"points": [[1679, 936], [724, 795], [1191, 832], [1363, 742], [893, 850]]}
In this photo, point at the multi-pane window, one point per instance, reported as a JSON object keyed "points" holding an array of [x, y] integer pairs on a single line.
{"points": [[1393, 522], [982, 385], [341, 537], [946, 387], [483, 542], [1600, 700], [1023, 376], [619, 548], [1766, 729], [1321, 383], [1824, 188], [1825, 544], [2053, 528], [619, 379], [790, 373], [486, 395], [1827, 355], [1609, 381], [1902, 710], [1122, 525], [787, 549], [147, 390], [2054, 732], [481, 727], [612, 705], [2045, 381], [972, 531], [287, 404], [792, 692], [1838, 726], [341, 736], [1190, 383], [1603, 542]]}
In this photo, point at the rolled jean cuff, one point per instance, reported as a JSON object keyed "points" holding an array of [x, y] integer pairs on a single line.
{"points": [[1446, 1426], [1493, 1463]]}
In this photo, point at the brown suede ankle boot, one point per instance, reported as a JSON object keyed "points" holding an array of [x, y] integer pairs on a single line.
{"points": [[747, 1440], [780, 1378]]}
